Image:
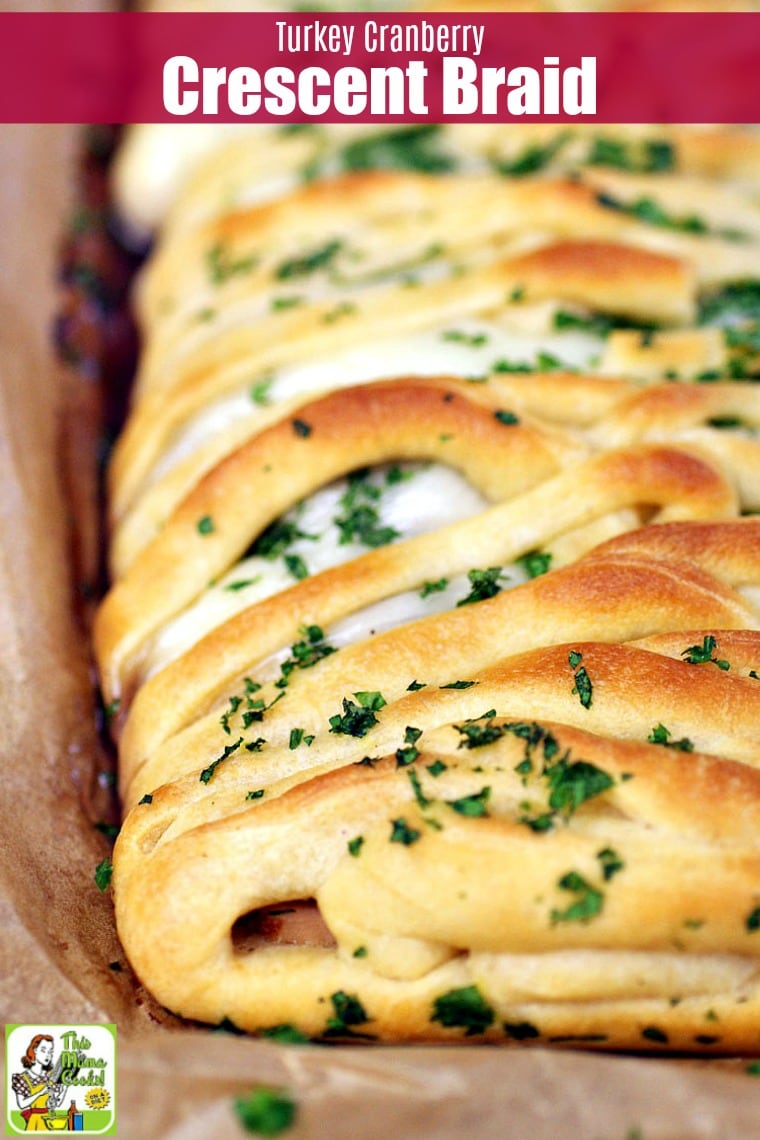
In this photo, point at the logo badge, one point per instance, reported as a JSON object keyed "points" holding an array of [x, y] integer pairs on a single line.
{"points": [[60, 1078]]}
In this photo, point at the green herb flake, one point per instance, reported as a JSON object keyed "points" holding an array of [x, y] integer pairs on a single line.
{"points": [[704, 654], [588, 904], [401, 832], [319, 258], [285, 301], [506, 418], [416, 147], [110, 830], [283, 1034], [242, 584], [205, 525], [753, 1068], [535, 563], [463, 1008], [259, 392], [266, 1111], [752, 921], [415, 686], [208, 773], [221, 266], [582, 687], [472, 340], [610, 861], [296, 566], [474, 805], [458, 685], [355, 845], [483, 584], [103, 873], [147, 799], [532, 158], [661, 735], [429, 588], [349, 1011], [420, 797], [572, 783], [360, 952], [257, 795], [357, 719], [437, 768], [302, 429]]}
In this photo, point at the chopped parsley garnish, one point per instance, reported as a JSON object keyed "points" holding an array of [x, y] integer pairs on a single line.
{"points": [[437, 767], [704, 654], [285, 301], [474, 805], [296, 566], [587, 905], [458, 685], [648, 210], [147, 799], [506, 418], [415, 686], [464, 1008], [360, 517], [355, 845], [344, 309], [349, 1011], [535, 563], [413, 147], [208, 773], [319, 258], [302, 429], [597, 324], [752, 921], [725, 422], [610, 862], [357, 719], [205, 525], [661, 735], [419, 795], [110, 830], [220, 265], [103, 873], [407, 755], [284, 1034], [360, 952], [483, 584], [472, 340], [305, 653], [531, 159], [256, 795], [573, 783], [737, 299], [429, 588], [582, 687], [477, 735], [242, 583], [650, 157], [277, 537], [401, 832], [259, 392], [266, 1111], [298, 736]]}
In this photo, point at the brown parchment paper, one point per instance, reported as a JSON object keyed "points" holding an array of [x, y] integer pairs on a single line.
{"points": [[57, 939]]}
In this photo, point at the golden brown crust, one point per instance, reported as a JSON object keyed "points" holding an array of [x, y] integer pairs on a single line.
{"points": [[524, 813]]}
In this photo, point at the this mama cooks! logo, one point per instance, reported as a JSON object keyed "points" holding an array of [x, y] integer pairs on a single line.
{"points": [[60, 1078]]}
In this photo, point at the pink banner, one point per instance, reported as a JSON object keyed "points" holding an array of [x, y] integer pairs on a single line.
{"points": [[383, 67]]}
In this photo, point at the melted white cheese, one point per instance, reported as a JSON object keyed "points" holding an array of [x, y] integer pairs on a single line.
{"points": [[468, 348], [428, 497]]}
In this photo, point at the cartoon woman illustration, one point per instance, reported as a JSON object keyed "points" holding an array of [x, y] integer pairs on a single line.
{"points": [[35, 1089]]}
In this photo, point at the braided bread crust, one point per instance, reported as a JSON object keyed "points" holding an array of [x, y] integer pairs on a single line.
{"points": [[490, 772]]}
